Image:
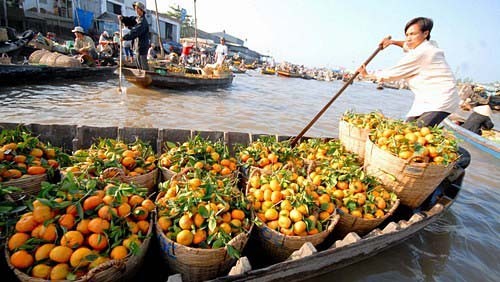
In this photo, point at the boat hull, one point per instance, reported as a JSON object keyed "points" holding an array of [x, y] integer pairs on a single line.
{"points": [[474, 139], [38, 74], [150, 78], [333, 254]]}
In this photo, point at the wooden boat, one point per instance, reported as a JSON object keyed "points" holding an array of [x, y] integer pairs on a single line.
{"points": [[251, 66], [288, 74], [162, 79], [333, 254], [269, 71], [476, 140], [235, 69], [39, 74]]}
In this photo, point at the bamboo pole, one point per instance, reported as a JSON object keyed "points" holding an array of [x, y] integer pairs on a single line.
{"points": [[162, 52]]}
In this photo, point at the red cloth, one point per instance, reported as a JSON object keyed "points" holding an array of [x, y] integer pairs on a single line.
{"points": [[186, 50]]}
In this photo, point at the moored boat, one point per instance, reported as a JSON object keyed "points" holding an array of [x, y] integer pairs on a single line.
{"points": [[163, 79], [269, 71], [38, 74], [476, 140], [288, 74], [333, 254]]}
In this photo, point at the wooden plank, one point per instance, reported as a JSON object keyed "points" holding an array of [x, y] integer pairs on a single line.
{"points": [[173, 135], [87, 135], [55, 134]]}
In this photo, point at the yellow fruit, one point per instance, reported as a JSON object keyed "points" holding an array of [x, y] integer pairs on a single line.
{"points": [[41, 271], [185, 237], [59, 271], [17, 240], [79, 257], [60, 254], [43, 251]]}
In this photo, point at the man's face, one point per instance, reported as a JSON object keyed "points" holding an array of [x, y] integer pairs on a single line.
{"points": [[78, 35], [414, 36], [222, 41], [138, 11]]}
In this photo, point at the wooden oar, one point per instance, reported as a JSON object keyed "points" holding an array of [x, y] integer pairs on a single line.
{"points": [[320, 113], [120, 67]]}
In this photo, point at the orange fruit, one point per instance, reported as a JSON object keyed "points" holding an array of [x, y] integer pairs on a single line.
{"points": [[26, 224], [124, 210], [67, 221], [21, 259], [91, 202], [36, 170], [118, 252], [185, 237], [106, 212], [72, 239], [98, 241], [98, 261], [132, 239], [164, 223], [133, 227], [143, 226], [299, 227], [271, 214], [198, 220], [199, 236], [148, 205], [296, 215], [46, 233], [60, 254], [135, 200], [72, 210], [79, 257], [42, 213], [41, 271], [128, 161], [98, 225], [284, 222], [19, 159], [83, 226], [17, 240], [43, 251], [59, 272], [226, 227], [185, 222]]}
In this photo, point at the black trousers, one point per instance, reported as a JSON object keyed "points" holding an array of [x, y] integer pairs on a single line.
{"points": [[429, 118]]}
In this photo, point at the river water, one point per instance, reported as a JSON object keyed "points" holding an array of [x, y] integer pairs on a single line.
{"points": [[464, 246]]}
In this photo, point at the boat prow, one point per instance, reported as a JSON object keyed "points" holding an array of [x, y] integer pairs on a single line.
{"points": [[137, 77], [478, 141]]}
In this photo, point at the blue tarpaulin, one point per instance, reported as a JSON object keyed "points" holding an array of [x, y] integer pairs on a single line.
{"points": [[83, 18]]}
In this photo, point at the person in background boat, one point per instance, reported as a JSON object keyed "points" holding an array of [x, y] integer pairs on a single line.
{"points": [[84, 47], [186, 50], [221, 52], [152, 54], [140, 30], [479, 119], [105, 54], [127, 46], [104, 38], [428, 74], [203, 57]]}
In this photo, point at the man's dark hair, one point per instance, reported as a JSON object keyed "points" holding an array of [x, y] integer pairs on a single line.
{"points": [[425, 24]]}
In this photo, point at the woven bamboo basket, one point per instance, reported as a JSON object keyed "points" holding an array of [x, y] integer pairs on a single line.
{"points": [[197, 264], [348, 223], [113, 270], [148, 180], [30, 184], [279, 246], [166, 173], [353, 138], [412, 182]]}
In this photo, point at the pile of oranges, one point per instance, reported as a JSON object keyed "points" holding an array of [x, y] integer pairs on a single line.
{"points": [[76, 227], [201, 206], [134, 159], [408, 141], [22, 154], [366, 121], [201, 154]]}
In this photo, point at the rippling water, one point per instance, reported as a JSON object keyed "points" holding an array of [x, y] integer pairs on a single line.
{"points": [[465, 244]]}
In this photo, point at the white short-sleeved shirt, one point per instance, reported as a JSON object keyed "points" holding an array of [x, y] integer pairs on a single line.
{"points": [[429, 77], [221, 52]]}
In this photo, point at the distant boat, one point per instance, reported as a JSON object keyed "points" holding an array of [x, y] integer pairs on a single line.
{"points": [[269, 71], [288, 74], [480, 142]]}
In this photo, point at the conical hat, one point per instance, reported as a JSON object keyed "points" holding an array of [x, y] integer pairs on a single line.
{"points": [[484, 110]]}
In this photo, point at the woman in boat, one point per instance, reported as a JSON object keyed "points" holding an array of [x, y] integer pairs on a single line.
{"points": [[479, 119], [428, 74], [84, 46], [138, 29]]}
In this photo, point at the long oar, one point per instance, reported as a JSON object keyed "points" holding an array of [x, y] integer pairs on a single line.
{"points": [[320, 113], [121, 55]]}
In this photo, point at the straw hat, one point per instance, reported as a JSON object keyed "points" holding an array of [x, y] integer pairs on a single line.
{"points": [[484, 110]]}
